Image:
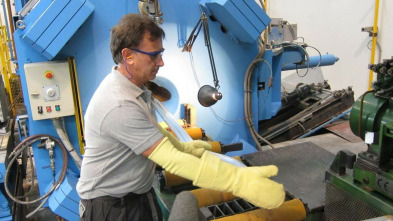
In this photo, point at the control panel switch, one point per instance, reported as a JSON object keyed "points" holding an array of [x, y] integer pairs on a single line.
{"points": [[40, 110]]}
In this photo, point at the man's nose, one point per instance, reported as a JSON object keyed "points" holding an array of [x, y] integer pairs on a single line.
{"points": [[160, 61]]}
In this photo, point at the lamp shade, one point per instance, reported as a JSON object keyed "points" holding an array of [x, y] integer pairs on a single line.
{"points": [[208, 95]]}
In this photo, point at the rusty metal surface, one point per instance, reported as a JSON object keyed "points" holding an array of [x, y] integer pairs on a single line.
{"points": [[343, 130]]}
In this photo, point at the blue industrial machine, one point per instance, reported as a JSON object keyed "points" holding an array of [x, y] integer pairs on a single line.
{"points": [[63, 54]]}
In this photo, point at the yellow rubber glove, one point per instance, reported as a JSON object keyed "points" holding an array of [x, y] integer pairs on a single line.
{"points": [[195, 147], [249, 183]]}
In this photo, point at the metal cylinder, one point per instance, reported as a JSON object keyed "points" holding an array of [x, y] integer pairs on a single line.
{"points": [[196, 133], [369, 113], [207, 197], [323, 60], [216, 146]]}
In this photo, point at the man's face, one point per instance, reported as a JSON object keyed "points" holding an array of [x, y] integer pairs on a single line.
{"points": [[145, 66]]}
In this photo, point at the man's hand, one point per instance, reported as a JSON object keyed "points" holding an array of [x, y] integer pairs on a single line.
{"points": [[195, 147]]}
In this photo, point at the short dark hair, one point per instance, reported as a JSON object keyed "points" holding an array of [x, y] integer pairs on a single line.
{"points": [[129, 32]]}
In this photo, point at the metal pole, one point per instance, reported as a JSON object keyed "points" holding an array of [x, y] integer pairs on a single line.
{"points": [[374, 42]]}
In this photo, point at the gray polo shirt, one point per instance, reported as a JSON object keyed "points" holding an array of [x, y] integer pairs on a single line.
{"points": [[120, 124]]}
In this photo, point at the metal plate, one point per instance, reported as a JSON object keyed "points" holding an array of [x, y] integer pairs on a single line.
{"points": [[301, 170]]}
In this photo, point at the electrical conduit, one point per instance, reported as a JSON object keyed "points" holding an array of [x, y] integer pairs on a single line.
{"points": [[64, 138]]}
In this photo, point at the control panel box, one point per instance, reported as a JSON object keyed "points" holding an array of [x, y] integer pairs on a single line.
{"points": [[50, 89]]}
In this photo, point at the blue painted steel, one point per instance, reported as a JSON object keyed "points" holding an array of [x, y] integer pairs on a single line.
{"points": [[67, 32], [243, 20], [52, 23], [269, 98], [57, 25], [35, 30], [291, 56], [2, 168], [33, 15], [5, 213], [89, 46], [65, 199], [324, 60]]}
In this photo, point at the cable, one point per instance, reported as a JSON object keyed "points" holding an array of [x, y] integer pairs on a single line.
{"points": [[320, 56], [305, 53], [199, 85], [247, 100], [247, 97], [379, 48], [193, 69], [301, 38], [37, 209], [247, 88], [19, 149]]}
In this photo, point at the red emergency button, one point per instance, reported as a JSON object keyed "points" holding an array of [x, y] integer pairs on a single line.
{"points": [[49, 74]]}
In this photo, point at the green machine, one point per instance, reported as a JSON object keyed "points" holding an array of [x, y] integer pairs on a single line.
{"points": [[360, 186]]}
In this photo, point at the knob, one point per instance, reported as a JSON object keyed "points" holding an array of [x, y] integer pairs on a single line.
{"points": [[51, 92]]}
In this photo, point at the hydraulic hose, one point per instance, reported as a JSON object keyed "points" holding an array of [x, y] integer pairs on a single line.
{"points": [[19, 149]]}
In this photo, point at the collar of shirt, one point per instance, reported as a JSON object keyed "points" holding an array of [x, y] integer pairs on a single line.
{"points": [[133, 90]]}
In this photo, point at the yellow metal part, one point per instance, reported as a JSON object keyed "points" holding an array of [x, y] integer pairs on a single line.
{"points": [[207, 197], [216, 146], [174, 180], [5, 62], [374, 42], [292, 210], [265, 32], [190, 114], [78, 106], [196, 133]]}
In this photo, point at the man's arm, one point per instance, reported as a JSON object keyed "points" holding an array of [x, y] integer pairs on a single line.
{"points": [[147, 152], [250, 183]]}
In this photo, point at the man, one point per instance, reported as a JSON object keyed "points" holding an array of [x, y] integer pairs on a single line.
{"points": [[124, 141]]}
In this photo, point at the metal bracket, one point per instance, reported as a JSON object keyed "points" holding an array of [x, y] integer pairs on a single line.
{"points": [[370, 31], [27, 8], [344, 159]]}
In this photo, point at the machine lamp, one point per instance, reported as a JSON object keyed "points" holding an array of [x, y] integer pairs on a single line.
{"points": [[208, 95]]}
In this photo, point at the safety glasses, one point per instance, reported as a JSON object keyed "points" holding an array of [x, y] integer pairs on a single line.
{"points": [[153, 55]]}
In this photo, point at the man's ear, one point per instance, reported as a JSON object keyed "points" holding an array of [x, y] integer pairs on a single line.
{"points": [[126, 54]]}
